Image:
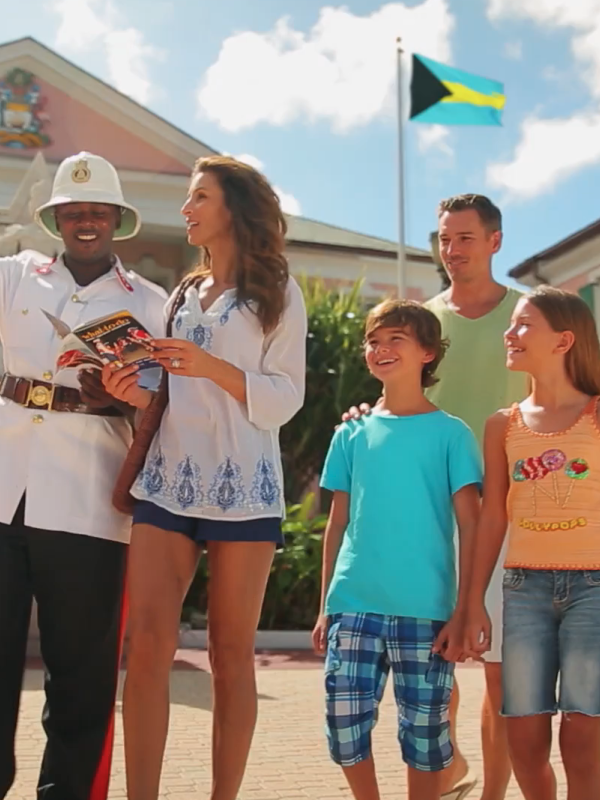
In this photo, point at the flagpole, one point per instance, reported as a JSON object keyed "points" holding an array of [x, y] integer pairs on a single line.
{"points": [[401, 260]]}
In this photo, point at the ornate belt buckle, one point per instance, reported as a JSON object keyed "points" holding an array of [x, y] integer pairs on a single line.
{"points": [[40, 396]]}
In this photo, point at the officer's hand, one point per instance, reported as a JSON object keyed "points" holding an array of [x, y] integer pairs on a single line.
{"points": [[122, 384], [93, 392]]}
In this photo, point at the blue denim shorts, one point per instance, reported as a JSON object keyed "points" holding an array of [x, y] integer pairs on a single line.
{"points": [[201, 531], [361, 649], [551, 632]]}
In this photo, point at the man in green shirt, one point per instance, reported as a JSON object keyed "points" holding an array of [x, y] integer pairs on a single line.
{"points": [[474, 382]]}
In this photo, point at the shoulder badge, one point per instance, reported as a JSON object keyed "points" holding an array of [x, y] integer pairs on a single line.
{"points": [[123, 279], [44, 269]]}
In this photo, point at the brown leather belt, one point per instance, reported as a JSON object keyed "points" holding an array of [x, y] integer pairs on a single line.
{"points": [[49, 397]]}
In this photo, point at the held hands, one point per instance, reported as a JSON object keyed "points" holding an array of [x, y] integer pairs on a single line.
{"points": [[478, 632], [450, 641], [122, 384], [466, 635]]}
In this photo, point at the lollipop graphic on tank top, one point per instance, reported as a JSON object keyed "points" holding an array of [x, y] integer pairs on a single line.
{"points": [[551, 462]]}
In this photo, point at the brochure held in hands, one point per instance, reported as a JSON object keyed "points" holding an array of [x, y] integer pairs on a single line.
{"points": [[117, 339]]}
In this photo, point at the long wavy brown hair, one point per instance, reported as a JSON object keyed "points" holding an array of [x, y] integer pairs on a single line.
{"points": [[259, 227]]}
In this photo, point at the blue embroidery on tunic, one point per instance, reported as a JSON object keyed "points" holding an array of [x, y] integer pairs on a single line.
{"points": [[227, 490], [187, 484], [224, 318], [202, 336], [265, 486], [153, 478], [178, 321]]}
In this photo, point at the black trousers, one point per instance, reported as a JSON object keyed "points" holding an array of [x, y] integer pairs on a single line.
{"points": [[78, 582]]}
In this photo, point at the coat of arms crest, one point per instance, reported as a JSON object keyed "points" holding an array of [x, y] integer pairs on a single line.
{"points": [[22, 115]]}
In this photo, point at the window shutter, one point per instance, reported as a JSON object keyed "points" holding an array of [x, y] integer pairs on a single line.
{"points": [[587, 295]]}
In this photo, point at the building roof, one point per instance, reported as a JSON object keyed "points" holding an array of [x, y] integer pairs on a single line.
{"points": [[554, 251], [303, 231], [102, 97]]}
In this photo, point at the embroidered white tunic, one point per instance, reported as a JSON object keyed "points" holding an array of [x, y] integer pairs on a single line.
{"points": [[66, 463], [214, 457]]}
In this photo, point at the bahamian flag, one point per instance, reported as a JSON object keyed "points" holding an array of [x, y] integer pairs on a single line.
{"points": [[448, 96]]}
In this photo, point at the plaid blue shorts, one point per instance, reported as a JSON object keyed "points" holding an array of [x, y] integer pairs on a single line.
{"points": [[361, 648]]}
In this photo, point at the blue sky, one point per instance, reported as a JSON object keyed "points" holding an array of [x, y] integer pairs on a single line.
{"points": [[307, 90]]}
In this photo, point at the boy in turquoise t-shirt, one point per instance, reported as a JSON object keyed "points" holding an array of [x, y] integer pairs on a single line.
{"points": [[389, 599]]}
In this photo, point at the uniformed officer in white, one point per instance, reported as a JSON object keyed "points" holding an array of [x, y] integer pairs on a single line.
{"points": [[62, 444]]}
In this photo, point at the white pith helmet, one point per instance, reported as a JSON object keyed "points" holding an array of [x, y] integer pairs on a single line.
{"points": [[86, 178]]}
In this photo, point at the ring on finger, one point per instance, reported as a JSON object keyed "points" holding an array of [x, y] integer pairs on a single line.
{"points": [[176, 363]]}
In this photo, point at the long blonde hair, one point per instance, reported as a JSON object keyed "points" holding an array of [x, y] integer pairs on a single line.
{"points": [[565, 311], [259, 227]]}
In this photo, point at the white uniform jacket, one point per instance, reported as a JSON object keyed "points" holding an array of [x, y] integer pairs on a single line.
{"points": [[65, 462]]}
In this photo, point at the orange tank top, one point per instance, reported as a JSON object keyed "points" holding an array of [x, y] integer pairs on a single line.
{"points": [[554, 496]]}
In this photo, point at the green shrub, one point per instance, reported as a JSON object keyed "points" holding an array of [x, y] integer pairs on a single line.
{"points": [[336, 378]]}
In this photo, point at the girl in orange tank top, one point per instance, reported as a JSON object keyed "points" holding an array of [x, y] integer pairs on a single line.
{"points": [[542, 482]]}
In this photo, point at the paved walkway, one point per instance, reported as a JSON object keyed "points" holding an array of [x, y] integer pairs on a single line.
{"points": [[289, 758]]}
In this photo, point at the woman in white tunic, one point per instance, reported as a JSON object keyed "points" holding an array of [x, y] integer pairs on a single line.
{"points": [[212, 479]]}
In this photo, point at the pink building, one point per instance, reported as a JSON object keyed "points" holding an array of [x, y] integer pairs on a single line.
{"points": [[572, 264]]}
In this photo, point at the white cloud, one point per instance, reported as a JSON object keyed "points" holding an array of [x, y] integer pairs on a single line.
{"points": [[89, 24], [434, 137], [514, 50], [552, 149], [127, 56], [583, 16], [289, 203], [549, 151], [342, 71], [251, 160], [82, 23]]}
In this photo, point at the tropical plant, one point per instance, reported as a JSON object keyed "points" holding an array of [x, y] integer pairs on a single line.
{"points": [[336, 378]]}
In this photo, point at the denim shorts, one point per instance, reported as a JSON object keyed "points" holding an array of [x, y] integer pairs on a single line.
{"points": [[201, 531], [361, 649], [551, 635]]}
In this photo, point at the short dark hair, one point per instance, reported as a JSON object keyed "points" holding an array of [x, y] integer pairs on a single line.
{"points": [[423, 324], [489, 214]]}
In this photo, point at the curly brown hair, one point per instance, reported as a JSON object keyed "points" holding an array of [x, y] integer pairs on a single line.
{"points": [[423, 324], [259, 227]]}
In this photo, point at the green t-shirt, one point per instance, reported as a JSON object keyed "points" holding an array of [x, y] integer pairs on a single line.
{"points": [[473, 379]]}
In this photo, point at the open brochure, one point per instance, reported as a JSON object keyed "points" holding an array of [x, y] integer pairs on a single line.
{"points": [[117, 339]]}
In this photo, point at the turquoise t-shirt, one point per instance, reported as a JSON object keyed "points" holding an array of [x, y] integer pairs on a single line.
{"points": [[397, 554]]}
